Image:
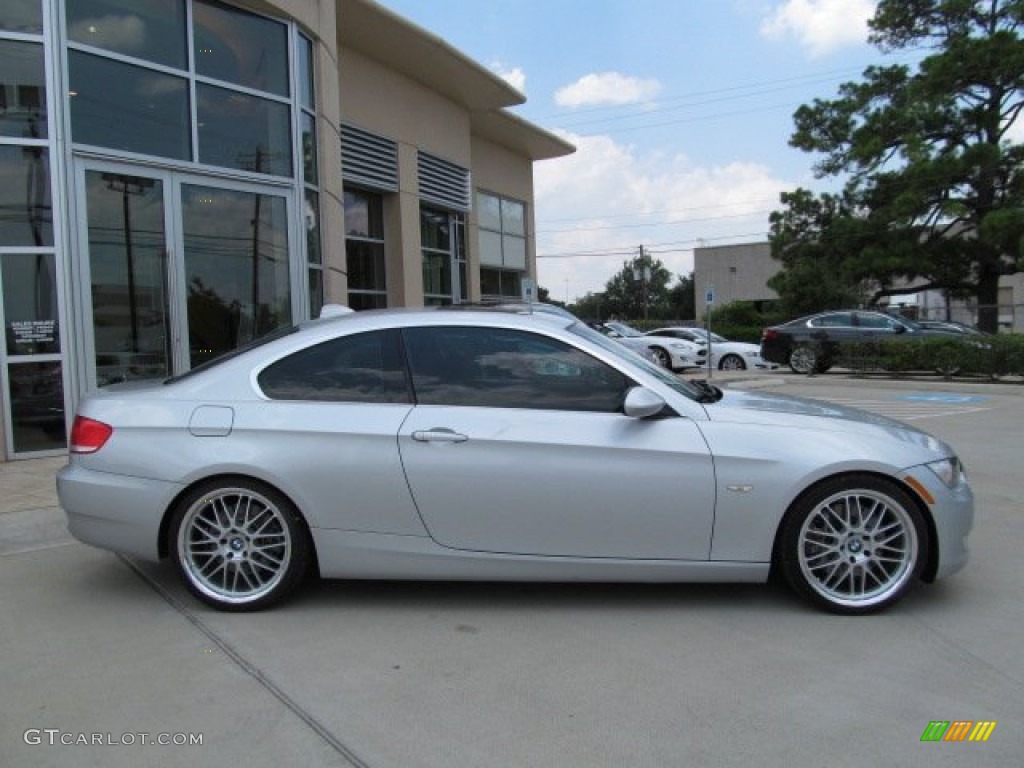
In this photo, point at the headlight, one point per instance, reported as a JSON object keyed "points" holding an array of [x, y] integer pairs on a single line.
{"points": [[950, 471]]}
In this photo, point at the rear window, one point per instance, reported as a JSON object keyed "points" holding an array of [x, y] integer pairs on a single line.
{"points": [[279, 333]]}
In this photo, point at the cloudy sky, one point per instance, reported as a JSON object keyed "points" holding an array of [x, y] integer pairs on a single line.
{"points": [[681, 112]]}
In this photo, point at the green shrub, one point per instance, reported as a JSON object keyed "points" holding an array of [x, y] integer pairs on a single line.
{"points": [[992, 356]]}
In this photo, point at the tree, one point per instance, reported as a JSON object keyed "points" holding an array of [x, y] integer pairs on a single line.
{"points": [[935, 186], [639, 289], [682, 299]]}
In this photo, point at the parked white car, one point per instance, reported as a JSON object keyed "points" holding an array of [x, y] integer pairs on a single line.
{"points": [[725, 355], [675, 354]]}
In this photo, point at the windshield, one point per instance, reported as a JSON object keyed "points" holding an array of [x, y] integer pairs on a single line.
{"points": [[623, 330], [632, 359]]}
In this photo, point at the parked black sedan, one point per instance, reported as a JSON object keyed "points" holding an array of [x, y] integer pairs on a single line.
{"points": [[810, 344]]}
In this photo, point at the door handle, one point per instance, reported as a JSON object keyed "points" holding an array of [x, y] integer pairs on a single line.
{"points": [[438, 435]]}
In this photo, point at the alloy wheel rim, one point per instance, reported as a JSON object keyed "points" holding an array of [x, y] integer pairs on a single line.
{"points": [[235, 545], [732, 363], [803, 360], [857, 548]]}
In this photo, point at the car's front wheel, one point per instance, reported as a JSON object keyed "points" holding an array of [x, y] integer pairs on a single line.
{"points": [[732, 363], [238, 544], [853, 544]]}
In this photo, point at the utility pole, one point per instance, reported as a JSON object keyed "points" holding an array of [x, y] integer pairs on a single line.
{"points": [[642, 274]]}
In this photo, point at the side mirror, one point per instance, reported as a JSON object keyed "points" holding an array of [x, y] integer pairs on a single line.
{"points": [[899, 328], [642, 403]]}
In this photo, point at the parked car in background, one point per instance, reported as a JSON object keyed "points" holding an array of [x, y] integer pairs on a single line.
{"points": [[725, 355], [496, 446], [810, 344], [673, 354]]}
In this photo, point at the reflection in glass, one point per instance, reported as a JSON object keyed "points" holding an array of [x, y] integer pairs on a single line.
{"points": [[129, 108], [364, 214], [240, 47], [309, 172], [316, 292], [513, 218], [22, 16], [30, 303], [146, 29], [305, 63], [488, 211], [37, 407], [236, 267], [22, 90], [366, 266], [312, 214], [241, 131], [127, 264], [26, 215]]}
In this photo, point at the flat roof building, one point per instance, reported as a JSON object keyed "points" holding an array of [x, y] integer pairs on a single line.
{"points": [[178, 177]]}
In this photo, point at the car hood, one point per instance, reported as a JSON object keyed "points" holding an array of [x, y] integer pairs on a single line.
{"points": [[788, 411]]}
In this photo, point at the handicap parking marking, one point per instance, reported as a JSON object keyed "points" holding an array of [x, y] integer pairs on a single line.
{"points": [[944, 397], [903, 408]]}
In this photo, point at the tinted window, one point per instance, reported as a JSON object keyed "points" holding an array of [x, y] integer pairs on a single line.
{"points": [[130, 108], [833, 320], [500, 368], [363, 368], [146, 29], [868, 320]]}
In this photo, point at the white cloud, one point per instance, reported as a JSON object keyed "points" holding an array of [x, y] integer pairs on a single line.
{"points": [[663, 201], [820, 26], [514, 76], [607, 88]]}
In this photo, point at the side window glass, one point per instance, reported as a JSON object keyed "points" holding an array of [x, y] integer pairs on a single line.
{"points": [[498, 368], [362, 368], [834, 320], [875, 321]]}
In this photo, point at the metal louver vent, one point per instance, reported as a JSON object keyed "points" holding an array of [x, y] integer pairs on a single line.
{"points": [[368, 159], [443, 183]]}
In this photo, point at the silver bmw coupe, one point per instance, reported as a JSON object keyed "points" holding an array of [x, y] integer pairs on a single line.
{"points": [[501, 445]]}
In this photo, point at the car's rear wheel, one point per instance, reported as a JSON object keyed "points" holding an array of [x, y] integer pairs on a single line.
{"points": [[662, 356], [238, 544], [854, 544], [732, 363]]}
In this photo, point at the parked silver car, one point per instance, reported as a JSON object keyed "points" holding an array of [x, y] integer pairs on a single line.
{"points": [[492, 445]]}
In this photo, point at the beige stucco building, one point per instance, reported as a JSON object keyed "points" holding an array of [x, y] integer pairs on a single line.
{"points": [[179, 177]]}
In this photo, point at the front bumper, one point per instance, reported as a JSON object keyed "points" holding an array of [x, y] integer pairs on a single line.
{"points": [[115, 512], [953, 515]]}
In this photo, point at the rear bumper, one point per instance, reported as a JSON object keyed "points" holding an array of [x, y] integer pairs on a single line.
{"points": [[115, 512]]}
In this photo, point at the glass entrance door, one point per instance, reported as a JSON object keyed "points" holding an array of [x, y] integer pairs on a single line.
{"points": [[127, 242], [180, 268]]}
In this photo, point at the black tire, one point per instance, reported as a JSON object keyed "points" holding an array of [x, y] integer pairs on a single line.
{"points": [[732, 362], [663, 357], [853, 544], [238, 544]]}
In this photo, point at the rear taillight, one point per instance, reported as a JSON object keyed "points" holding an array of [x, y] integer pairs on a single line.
{"points": [[768, 334], [89, 435]]}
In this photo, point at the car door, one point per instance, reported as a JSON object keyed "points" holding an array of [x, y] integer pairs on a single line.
{"points": [[518, 444]]}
